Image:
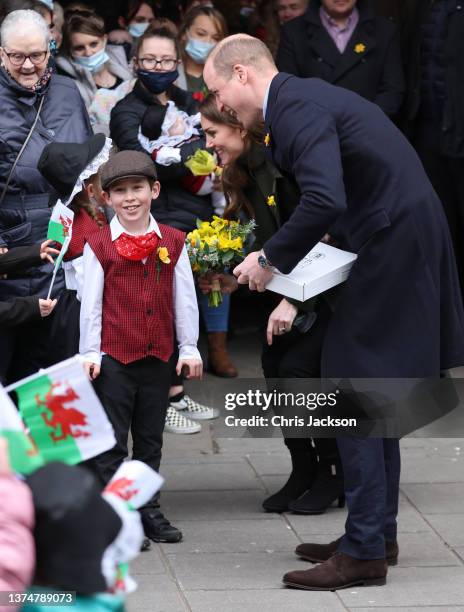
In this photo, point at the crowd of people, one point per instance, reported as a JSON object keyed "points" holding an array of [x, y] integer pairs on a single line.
{"points": [[102, 106]]}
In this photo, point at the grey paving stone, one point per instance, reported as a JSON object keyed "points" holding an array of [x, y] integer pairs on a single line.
{"points": [[233, 536], [214, 477], [271, 463], [330, 523], [437, 498], [156, 594], [148, 562], [423, 467], [213, 505], [411, 586], [275, 600], [183, 445], [424, 550], [244, 446], [412, 609], [449, 526], [218, 571], [460, 552]]}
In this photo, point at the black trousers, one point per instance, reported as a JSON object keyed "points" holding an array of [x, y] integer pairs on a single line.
{"points": [[135, 398], [447, 177]]}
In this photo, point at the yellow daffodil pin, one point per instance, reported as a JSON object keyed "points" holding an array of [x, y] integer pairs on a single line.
{"points": [[267, 139], [163, 255], [360, 48], [271, 200]]}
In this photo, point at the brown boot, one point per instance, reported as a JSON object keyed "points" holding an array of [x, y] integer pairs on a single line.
{"points": [[339, 572], [318, 553], [219, 362]]}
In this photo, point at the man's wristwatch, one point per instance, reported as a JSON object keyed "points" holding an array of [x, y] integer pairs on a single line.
{"points": [[264, 261]]}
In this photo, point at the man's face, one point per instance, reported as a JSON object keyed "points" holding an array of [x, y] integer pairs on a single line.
{"points": [[233, 95], [289, 9], [338, 8]]}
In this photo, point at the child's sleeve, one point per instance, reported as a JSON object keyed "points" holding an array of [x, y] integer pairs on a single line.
{"points": [[185, 309], [91, 307]]}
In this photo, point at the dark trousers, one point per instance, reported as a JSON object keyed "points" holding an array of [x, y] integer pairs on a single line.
{"points": [[135, 398], [447, 177], [371, 468]]}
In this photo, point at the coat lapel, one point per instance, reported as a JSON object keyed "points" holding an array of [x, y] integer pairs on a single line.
{"points": [[320, 42], [361, 43]]}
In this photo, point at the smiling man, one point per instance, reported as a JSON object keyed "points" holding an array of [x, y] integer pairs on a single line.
{"points": [[399, 314]]}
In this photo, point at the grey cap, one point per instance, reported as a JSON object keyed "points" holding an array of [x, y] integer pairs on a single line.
{"points": [[126, 164]]}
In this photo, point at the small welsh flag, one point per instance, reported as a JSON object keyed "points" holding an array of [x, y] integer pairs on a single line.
{"points": [[65, 417], [23, 454], [135, 482], [60, 230]]}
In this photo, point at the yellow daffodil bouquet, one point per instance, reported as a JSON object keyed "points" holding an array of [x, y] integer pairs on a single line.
{"points": [[216, 246]]}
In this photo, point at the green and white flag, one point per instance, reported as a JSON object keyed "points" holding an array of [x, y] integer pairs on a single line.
{"points": [[60, 230], [65, 417], [23, 454]]}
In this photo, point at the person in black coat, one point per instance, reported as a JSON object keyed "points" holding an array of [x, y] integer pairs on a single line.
{"points": [[399, 314], [28, 308], [433, 114], [370, 64]]}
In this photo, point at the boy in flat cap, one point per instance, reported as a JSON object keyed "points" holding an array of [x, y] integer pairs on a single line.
{"points": [[138, 286]]}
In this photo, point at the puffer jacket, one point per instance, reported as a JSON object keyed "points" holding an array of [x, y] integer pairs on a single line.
{"points": [[175, 206], [24, 211], [117, 65]]}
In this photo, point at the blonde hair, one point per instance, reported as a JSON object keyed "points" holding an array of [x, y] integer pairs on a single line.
{"points": [[240, 49]]}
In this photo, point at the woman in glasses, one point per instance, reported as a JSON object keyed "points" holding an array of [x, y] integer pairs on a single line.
{"points": [[86, 57], [36, 107]]}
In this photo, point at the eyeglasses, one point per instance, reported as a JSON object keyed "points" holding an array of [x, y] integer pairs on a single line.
{"points": [[18, 59], [151, 63]]}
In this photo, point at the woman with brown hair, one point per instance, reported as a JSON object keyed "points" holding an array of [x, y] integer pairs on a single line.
{"points": [[203, 27], [255, 189], [86, 57]]}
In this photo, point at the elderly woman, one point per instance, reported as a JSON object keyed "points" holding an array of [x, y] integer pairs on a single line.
{"points": [[37, 107]]}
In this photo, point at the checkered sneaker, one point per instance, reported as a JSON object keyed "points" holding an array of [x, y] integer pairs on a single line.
{"points": [[195, 410], [177, 423]]}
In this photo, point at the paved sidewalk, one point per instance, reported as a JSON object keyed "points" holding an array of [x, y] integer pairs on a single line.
{"points": [[233, 555]]}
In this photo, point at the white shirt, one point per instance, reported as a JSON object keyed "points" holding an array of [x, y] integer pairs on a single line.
{"points": [[184, 299], [266, 100], [74, 275]]}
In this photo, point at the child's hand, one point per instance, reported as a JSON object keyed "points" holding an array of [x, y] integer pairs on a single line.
{"points": [[46, 307], [4, 457], [91, 369], [178, 128], [190, 368], [46, 251], [228, 282]]}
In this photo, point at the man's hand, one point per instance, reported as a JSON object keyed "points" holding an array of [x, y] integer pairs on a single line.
{"points": [[46, 307], [190, 368], [249, 271], [46, 251], [280, 320], [227, 281], [91, 369]]}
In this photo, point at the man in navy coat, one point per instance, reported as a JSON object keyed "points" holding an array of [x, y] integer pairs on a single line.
{"points": [[399, 314]]}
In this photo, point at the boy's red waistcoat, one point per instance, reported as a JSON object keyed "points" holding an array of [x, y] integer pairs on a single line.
{"points": [[138, 311]]}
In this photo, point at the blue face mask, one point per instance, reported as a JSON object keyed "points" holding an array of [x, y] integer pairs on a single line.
{"points": [[137, 29], [157, 82], [94, 62], [198, 50]]}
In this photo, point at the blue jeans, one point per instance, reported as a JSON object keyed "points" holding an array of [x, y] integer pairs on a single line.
{"points": [[216, 319]]}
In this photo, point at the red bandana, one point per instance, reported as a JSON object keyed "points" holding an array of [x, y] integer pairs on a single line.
{"points": [[136, 248]]}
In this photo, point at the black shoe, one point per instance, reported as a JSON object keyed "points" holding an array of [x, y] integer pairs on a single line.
{"points": [[295, 486], [158, 528], [146, 545], [325, 490]]}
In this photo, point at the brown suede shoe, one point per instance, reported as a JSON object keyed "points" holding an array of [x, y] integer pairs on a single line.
{"points": [[318, 553], [339, 572]]}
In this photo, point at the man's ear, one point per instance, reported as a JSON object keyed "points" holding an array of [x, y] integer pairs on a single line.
{"points": [[241, 73], [155, 190]]}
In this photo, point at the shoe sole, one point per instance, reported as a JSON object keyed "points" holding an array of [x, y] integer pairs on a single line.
{"points": [[369, 582], [165, 540], [390, 560], [181, 431], [201, 418]]}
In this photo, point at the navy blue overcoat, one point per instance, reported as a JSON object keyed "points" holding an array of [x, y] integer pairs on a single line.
{"points": [[400, 313]]}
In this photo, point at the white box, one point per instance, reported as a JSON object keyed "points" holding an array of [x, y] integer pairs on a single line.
{"points": [[321, 269]]}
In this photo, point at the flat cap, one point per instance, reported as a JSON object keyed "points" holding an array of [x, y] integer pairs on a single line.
{"points": [[126, 164]]}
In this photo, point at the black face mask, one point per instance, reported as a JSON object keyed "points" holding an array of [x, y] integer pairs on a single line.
{"points": [[157, 82]]}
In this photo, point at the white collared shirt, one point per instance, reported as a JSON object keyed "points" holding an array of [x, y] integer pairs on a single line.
{"points": [[184, 300]]}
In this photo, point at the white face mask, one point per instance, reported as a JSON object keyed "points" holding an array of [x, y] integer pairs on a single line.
{"points": [[138, 29], [94, 62]]}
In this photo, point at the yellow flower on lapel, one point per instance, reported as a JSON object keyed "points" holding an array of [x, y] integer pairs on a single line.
{"points": [[271, 200], [163, 255], [267, 139], [360, 48]]}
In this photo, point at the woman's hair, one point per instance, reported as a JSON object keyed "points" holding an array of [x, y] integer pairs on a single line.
{"points": [[235, 178], [132, 7], [157, 33], [21, 21], [207, 11], [82, 22]]}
